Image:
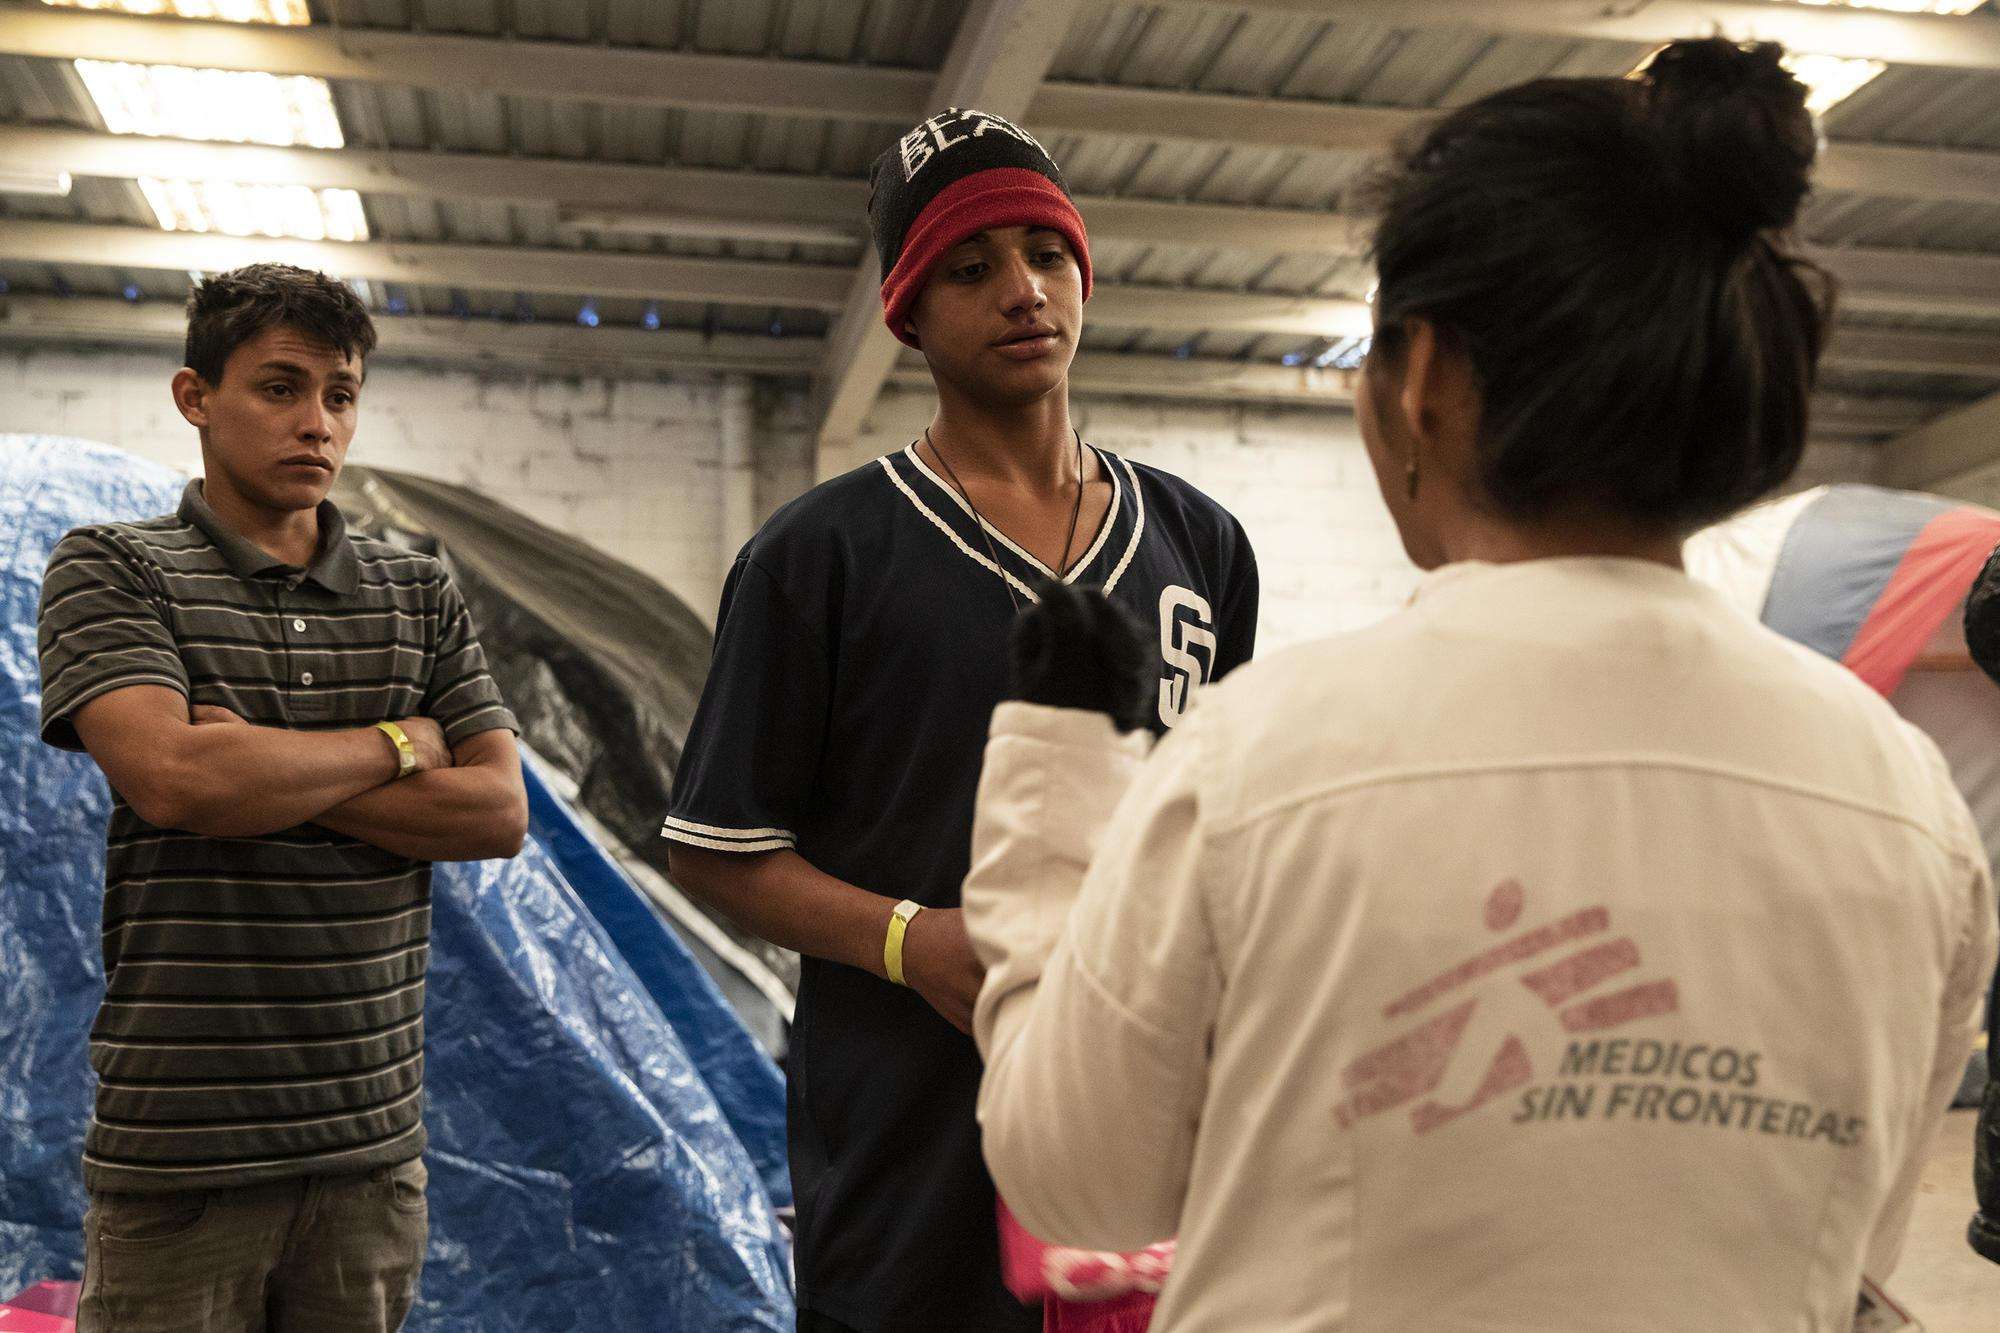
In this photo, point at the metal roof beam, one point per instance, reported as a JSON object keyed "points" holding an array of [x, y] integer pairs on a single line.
{"points": [[570, 71], [1872, 279], [1872, 417], [1184, 377], [653, 198], [662, 199], [85, 321], [1941, 41], [426, 174], [617, 196], [477, 267], [998, 57], [1893, 171], [1893, 281], [1944, 454], [1267, 122], [618, 273], [1915, 352], [505, 66], [1190, 310]]}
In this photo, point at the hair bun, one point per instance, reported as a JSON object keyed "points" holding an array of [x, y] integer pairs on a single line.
{"points": [[1735, 130]]}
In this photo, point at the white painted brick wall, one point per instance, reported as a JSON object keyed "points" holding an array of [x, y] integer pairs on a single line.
{"points": [[633, 465]]}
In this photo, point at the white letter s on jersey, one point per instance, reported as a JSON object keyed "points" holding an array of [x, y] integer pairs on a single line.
{"points": [[1185, 671]]}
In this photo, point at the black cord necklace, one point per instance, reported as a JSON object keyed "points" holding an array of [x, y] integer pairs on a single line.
{"points": [[986, 529]]}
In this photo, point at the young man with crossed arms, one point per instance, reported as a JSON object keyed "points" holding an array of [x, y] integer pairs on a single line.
{"points": [[294, 722]]}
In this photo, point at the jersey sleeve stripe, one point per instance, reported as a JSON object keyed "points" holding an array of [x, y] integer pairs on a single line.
{"points": [[727, 840], [719, 831], [718, 845]]}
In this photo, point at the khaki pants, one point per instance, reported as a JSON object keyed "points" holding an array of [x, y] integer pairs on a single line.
{"points": [[338, 1254]]}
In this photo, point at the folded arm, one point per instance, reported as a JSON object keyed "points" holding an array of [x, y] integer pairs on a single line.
{"points": [[474, 810], [1085, 902], [224, 781]]}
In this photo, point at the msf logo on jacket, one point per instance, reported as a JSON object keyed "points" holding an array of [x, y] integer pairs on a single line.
{"points": [[1187, 649]]}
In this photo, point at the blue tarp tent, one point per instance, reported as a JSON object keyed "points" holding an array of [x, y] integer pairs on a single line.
{"points": [[585, 1173], [746, 1084]]}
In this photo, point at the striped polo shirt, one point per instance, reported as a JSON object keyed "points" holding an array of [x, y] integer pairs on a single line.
{"points": [[264, 997]]}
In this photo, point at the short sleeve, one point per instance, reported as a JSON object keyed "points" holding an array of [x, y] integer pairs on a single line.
{"points": [[103, 626], [746, 772], [461, 696], [1236, 618]]}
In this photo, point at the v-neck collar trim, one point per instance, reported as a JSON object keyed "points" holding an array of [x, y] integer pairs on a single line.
{"points": [[1083, 562], [965, 535]]}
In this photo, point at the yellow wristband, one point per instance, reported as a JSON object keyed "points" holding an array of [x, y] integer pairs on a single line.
{"points": [[406, 754], [892, 947]]}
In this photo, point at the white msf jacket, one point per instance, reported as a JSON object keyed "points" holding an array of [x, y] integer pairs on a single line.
{"points": [[1565, 952]]}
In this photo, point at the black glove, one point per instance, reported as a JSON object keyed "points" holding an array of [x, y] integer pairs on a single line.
{"points": [[1074, 649], [1982, 618], [1982, 638], [1984, 1233]]}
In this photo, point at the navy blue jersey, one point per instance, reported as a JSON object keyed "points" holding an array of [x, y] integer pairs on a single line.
{"points": [[860, 649]]}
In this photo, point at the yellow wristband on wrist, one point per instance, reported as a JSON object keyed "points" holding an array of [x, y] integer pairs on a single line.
{"points": [[406, 754], [892, 946]]}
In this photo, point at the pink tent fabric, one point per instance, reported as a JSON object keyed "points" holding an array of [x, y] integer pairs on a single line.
{"points": [[1864, 575], [1929, 584]]}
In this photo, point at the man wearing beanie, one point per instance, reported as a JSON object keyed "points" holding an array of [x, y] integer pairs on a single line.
{"points": [[824, 797]]}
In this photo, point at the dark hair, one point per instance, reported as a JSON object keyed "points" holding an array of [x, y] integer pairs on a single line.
{"points": [[1610, 254], [227, 310]]}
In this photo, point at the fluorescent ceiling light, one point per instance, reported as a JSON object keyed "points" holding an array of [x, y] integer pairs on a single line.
{"points": [[1905, 6], [1830, 80], [256, 210], [288, 12], [237, 107], [232, 106]]}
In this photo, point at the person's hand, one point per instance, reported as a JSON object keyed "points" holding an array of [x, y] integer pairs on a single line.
{"points": [[427, 739], [939, 964], [209, 715], [1075, 649]]}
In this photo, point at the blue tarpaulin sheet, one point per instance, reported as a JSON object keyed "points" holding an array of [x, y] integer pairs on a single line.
{"points": [[746, 1084], [583, 1172]]}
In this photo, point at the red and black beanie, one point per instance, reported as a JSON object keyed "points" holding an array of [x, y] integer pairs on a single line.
{"points": [[960, 172]]}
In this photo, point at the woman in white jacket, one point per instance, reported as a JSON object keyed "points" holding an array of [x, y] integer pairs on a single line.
{"points": [[1566, 951]]}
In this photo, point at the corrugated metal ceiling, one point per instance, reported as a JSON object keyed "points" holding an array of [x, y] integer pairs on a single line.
{"points": [[1208, 50]]}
